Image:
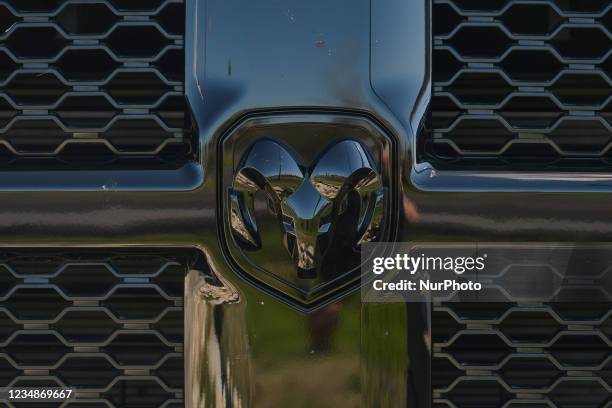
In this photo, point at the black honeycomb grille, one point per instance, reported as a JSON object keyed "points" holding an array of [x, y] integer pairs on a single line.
{"points": [[521, 83], [108, 323], [518, 356], [93, 83]]}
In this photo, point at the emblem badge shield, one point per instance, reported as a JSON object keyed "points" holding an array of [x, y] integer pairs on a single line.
{"points": [[301, 194]]}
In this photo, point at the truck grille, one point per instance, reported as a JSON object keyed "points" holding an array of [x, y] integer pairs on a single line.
{"points": [[521, 84], [519, 356], [108, 323], [93, 84]]}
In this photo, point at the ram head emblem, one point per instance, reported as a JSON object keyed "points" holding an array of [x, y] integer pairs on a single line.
{"points": [[308, 201]]}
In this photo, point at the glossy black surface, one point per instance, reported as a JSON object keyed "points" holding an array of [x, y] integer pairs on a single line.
{"points": [[309, 203], [301, 192], [248, 347]]}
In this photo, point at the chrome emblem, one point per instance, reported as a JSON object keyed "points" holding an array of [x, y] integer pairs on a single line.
{"points": [[300, 195], [308, 201]]}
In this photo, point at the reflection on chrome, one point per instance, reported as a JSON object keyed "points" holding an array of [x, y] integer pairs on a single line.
{"points": [[217, 363], [308, 200], [306, 254]]}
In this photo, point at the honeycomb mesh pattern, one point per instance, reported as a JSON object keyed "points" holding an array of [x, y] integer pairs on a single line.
{"points": [[520, 83], [108, 324], [518, 356], [92, 82]]}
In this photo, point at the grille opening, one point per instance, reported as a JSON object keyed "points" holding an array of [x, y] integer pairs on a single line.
{"points": [[606, 327], [94, 18], [6, 281], [447, 19], [446, 65], [88, 318], [137, 135], [7, 66], [89, 372], [583, 5], [86, 111], [141, 88], [35, 5], [445, 327], [589, 350], [42, 42], [529, 112], [137, 5], [576, 393], [445, 116], [478, 41], [171, 287], [76, 72], [488, 355], [139, 265], [530, 373], [126, 349], [170, 111], [85, 153], [7, 19], [35, 349], [478, 349], [86, 326], [138, 393], [592, 138], [543, 66], [170, 325], [445, 371], [36, 303], [137, 41], [474, 88], [468, 5], [488, 392], [531, 19], [34, 265], [34, 137], [591, 312], [607, 20], [86, 65], [99, 277], [7, 372], [529, 327], [520, 86], [30, 383], [151, 303], [170, 18], [477, 136], [570, 90], [170, 64], [585, 43], [7, 327], [41, 88], [171, 372]]}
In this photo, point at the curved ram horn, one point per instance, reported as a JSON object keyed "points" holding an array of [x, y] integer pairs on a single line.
{"points": [[344, 167], [270, 167]]}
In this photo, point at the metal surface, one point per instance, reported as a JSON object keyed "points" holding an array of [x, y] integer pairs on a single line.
{"points": [[248, 59], [308, 201], [267, 220], [320, 63]]}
